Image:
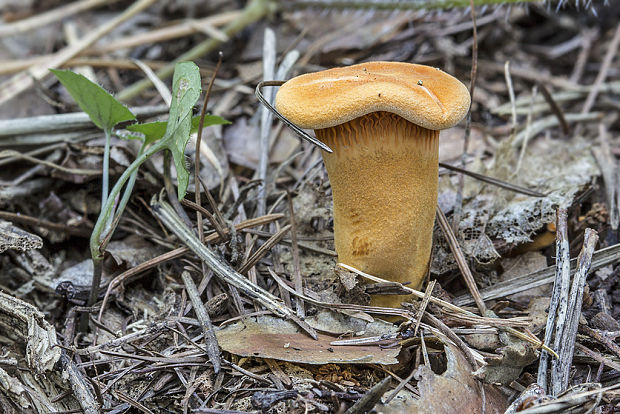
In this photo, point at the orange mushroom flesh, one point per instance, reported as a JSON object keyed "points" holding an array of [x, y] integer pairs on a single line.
{"points": [[382, 121]]}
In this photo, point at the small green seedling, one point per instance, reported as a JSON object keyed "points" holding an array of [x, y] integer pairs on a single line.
{"points": [[106, 112]]}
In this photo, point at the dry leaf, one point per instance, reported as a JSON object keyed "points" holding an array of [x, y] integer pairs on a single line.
{"points": [[269, 337], [454, 391]]}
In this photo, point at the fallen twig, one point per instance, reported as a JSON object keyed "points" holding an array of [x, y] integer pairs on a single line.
{"points": [[566, 332], [166, 214], [601, 258], [460, 260], [213, 350], [559, 297]]}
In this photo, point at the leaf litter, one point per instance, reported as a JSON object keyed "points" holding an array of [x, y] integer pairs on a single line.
{"points": [[147, 351]]}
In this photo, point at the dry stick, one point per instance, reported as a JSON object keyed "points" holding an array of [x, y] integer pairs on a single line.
{"points": [[48, 124], [560, 369], [267, 115], [462, 313], [511, 94], [269, 63], [81, 390], [559, 295], [607, 165], [13, 66], [173, 254], [83, 231], [371, 398], [216, 211], [427, 296], [254, 11], [197, 191], [458, 206], [602, 74], [262, 250], [588, 35], [299, 287], [444, 329], [26, 79], [73, 171], [427, 361], [551, 121], [568, 403], [461, 262], [559, 114], [184, 28], [598, 357], [471, 283], [493, 181], [213, 350], [221, 231], [389, 5], [405, 381], [602, 338], [164, 212], [528, 124], [601, 258], [57, 14]]}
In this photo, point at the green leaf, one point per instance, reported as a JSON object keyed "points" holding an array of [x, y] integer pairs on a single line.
{"points": [[102, 108], [154, 131], [186, 89], [149, 131]]}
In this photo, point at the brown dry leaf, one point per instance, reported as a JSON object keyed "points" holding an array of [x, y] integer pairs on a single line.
{"points": [[508, 365], [269, 337], [455, 391]]}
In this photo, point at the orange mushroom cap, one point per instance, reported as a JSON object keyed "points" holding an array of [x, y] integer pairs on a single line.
{"points": [[423, 95]]}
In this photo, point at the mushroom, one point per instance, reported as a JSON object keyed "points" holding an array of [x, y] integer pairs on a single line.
{"points": [[382, 121]]}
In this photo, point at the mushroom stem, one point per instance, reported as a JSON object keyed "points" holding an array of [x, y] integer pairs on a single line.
{"points": [[383, 173]]}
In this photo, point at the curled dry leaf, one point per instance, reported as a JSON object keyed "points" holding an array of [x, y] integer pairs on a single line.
{"points": [[18, 318], [508, 365], [454, 391]]}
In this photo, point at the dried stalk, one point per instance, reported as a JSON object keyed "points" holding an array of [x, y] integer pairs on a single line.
{"points": [[47, 124], [559, 296], [26, 79], [269, 63], [299, 287], [566, 332], [165, 213], [254, 11], [213, 350], [57, 14], [601, 258], [460, 260], [371, 398]]}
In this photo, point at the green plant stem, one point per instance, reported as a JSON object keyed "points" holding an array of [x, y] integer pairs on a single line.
{"points": [[128, 190], [106, 211], [254, 11], [94, 292], [106, 167], [118, 212]]}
